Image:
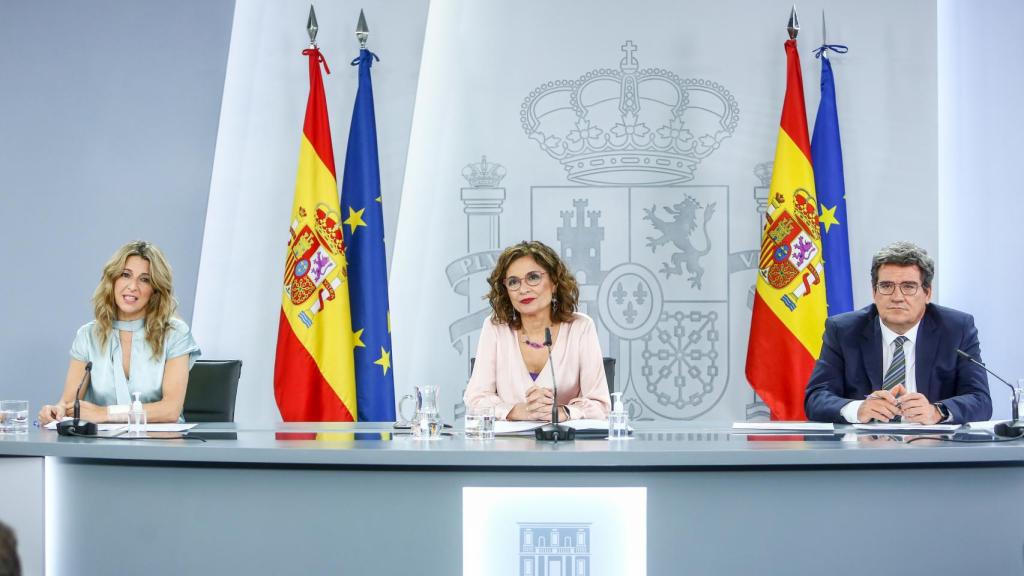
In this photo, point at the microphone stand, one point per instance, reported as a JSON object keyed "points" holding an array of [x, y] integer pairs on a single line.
{"points": [[76, 426], [553, 432], [1012, 428]]}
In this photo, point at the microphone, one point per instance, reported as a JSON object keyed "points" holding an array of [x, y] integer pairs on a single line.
{"points": [[77, 427], [1015, 427], [554, 386], [554, 431]]}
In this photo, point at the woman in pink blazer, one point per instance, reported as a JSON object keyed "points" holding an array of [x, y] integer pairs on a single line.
{"points": [[532, 290]]}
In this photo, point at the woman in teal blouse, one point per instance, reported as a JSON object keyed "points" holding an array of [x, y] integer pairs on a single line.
{"points": [[135, 344]]}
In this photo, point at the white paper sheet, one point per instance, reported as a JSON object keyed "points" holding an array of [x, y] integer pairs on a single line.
{"points": [[786, 426], [526, 427], [905, 427], [115, 426], [987, 426]]}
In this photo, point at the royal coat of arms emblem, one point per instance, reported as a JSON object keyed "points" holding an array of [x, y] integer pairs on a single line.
{"points": [[790, 246], [649, 250], [316, 262]]}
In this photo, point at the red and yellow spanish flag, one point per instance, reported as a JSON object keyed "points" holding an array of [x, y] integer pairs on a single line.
{"points": [[789, 307], [314, 373]]}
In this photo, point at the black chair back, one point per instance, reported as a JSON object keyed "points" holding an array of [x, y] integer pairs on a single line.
{"points": [[609, 372], [211, 392]]}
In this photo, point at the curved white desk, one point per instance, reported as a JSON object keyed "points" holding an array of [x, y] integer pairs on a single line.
{"points": [[266, 501]]}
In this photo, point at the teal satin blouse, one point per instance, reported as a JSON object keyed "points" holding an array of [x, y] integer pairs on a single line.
{"points": [[109, 386]]}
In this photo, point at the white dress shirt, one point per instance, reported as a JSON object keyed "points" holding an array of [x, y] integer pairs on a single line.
{"points": [[849, 412]]}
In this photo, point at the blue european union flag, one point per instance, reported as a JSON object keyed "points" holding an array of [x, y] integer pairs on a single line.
{"points": [[827, 156], [363, 219]]}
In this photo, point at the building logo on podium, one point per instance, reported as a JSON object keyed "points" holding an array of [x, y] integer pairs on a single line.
{"points": [[554, 549]]}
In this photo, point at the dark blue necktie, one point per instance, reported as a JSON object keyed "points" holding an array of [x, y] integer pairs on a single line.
{"points": [[897, 373]]}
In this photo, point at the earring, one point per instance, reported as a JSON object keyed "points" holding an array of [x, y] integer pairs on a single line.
{"points": [[554, 304]]}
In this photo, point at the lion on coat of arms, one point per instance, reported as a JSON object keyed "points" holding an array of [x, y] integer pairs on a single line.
{"points": [[679, 231]]}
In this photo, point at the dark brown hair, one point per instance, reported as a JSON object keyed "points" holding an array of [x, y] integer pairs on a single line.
{"points": [[566, 290], [10, 565]]}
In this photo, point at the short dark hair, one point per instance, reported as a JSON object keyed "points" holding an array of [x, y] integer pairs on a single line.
{"points": [[10, 565], [904, 254]]}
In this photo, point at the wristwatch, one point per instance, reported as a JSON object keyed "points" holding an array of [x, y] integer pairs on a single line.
{"points": [[943, 411]]}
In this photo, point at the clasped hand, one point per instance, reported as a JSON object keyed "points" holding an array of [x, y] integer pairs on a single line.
{"points": [[537, 406], [884, 405]]}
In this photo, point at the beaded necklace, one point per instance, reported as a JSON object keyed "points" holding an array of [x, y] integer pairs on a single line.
{"points": [[532, 344]]}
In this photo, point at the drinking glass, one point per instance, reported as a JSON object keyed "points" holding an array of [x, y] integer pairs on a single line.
{"points": [[14, 416], [480, 423]]}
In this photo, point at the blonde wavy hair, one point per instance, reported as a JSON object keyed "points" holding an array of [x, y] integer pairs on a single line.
{"points": [[566, 290], [161, 306]]}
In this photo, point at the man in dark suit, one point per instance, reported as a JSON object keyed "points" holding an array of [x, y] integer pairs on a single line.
{"points": [[898, 356]]}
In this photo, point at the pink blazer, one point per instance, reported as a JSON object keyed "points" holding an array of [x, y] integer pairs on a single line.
{"points": [[501, 379]]}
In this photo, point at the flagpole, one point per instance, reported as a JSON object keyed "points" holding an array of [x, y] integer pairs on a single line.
{"points": [[829, 183], [311, 27], [362, 31], [824, 35]]}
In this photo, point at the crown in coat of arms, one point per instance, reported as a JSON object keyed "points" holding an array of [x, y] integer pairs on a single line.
{"points": [[484, 174], [327, 228], [631, 125]]}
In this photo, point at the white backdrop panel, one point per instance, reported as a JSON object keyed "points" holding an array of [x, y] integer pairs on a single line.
{"points": [[512, 82]]}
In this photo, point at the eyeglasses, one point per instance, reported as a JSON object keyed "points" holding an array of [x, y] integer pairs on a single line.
{"points": [[907, 288], [532, 279]]}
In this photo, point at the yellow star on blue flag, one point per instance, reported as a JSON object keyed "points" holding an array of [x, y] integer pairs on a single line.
{"points": [[828, 217], [355, 219], [384, 361]]}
